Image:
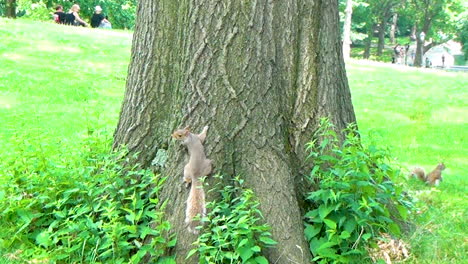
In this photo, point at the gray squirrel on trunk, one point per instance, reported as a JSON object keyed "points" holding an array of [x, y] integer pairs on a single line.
{"points": [[197, 167]]}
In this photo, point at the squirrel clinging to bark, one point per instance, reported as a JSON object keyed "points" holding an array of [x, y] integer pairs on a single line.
{"points": [[433, 178], [197, 167]]}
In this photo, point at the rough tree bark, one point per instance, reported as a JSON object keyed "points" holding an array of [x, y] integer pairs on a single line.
{"points": [[347, 29], [261, 74]]}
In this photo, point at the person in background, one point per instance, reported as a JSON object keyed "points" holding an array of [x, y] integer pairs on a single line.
{"points": [[59, 15], [428, 63], [99, 20], [73, 18]]}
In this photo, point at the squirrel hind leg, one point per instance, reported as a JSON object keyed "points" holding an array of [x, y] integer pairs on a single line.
{"points": [[208, 168], [192, 226], [187, 179]]}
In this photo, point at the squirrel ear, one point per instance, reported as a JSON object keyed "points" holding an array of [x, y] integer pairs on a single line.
{"points": [[187, 130]]}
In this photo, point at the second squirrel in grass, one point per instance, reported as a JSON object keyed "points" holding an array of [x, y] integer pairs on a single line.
{"points": [[433, 178], [197, 167]]}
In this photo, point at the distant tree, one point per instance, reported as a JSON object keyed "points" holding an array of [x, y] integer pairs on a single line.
{"points": [[10, 8], [393, 28], [378, 15], [383, 11], [433, 19], [347, 29], [463, 36]]}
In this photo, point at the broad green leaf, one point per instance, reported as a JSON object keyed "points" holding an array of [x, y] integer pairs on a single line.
{"points": [[345, 234], [394, 229], [366, 236], [43, 239], [312, 230], [324, 211], [245, 253], [350, 225], [331, 224], [25, 215], [261, 260], [268, 240], [191, 252], [243, 242], [403, 211], [256, 249], [172, 243]]}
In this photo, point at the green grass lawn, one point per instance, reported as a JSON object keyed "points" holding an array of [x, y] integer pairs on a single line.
{"points": [[59, 84], [422, 115]]}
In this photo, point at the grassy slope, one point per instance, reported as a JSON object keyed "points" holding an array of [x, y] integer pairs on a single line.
{"points": [[58, 83], [55, 78], [423, 116]]}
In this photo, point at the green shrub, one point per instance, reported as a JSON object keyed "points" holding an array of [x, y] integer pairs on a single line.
{"points": [[121, 13], [36, 10], [355, 200], [76, 204], [233, 232]]}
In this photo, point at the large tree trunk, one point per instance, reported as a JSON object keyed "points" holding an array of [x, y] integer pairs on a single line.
{"points": [[413, 33], [347, 29], [418, 59], [381, 42], [10, 8], [368, 41], [419, 51], [393, 28], [261, 74]]}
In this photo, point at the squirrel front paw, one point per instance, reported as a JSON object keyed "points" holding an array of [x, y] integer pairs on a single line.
{"points": [[187, 182]]}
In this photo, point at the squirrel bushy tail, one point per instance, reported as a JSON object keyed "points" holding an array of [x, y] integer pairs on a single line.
{"points": [[419, 173], [197, 167], [195, 206]]}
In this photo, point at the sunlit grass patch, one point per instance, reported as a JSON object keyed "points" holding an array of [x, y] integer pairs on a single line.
{"points": [[422, 115]]}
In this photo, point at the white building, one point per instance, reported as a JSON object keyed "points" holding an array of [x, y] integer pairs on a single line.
{"points": [[438, 56]]}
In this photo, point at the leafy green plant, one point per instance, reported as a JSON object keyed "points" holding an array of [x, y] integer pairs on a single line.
{"points": [[355, 200], [233, 232], [36, 10], [121, 13], [83, 209]]}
